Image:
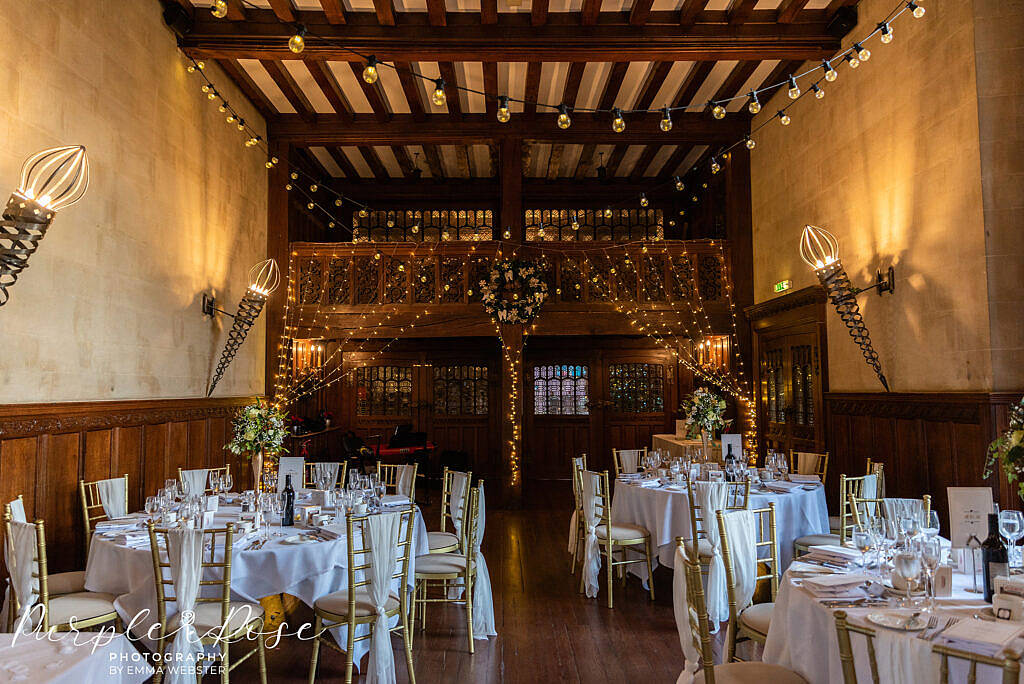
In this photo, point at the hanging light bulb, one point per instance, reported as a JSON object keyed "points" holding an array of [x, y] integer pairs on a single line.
{"points": [[853, 61], [205, 88], [643, 200], [297, 43], [563, 117], [507, 234], [784, 118], [608, 212], [862, 52], [415, 229], [310, 205], [294, 175], [241, 124], [915, 9], [794, 89], [438, 97], [270, 164], [754, 106], [370, 74], [666, 120], [715, 166], [223, 107], [219, 9], [818, 92], [363, 213], [718, 111], [886, 33], [230, 118], [618, 123], [680, 186], [503, 114], [313, 187], [337, 202], [750, 143], [830, 73]]}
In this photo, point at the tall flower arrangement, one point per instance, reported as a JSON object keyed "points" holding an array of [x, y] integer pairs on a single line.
{"points": [[1008, 450], [704, 412], [258, 428]]}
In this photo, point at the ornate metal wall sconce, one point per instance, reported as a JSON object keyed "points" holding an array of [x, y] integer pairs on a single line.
{"points": [[264, 278], [820, 249], [50, 180]]}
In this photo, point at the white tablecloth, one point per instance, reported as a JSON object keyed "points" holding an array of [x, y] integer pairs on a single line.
{"points": [[71, 658], [306, 571], [666, 513], [803, 638]]}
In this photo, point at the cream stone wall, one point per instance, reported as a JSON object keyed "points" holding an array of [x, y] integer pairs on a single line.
{"points": [[109, 306], [889, 161]]}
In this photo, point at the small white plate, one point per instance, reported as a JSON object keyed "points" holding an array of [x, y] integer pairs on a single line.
{"points": [[299, 539], [898, 621]]}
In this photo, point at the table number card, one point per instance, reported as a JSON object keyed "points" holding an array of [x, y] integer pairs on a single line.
{"points": [[290, 465], [680, 428], [969, 508]]}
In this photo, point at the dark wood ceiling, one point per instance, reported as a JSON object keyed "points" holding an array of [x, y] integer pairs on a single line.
{"points": [[631, 54]]}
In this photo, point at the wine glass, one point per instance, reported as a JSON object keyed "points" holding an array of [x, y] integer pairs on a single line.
{"points": [[214, 482], [226, 482], [907, 564], [929, 523], [862, 541], [931, 554], [170, 484], [910, 523], [152, 506], [1011, 526], [266, 502], [783, 466]]}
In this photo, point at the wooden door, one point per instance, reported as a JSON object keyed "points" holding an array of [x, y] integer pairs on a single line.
{"points": [[464, 410], [637, 399], [558, 420], [387, 391]]}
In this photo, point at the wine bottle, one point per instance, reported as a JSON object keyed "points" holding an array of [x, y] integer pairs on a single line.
{"points": [[730, 465], [994, 558], [288, 510]]}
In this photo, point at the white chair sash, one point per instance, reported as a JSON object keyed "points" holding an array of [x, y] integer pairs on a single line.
{"points": [[577, 463], [591, 552], [483, 601], [869, 490], [22, 565], [194, 481], [384, 536], [460, 488], [112, 496], [628, 460], [894, 509], [327, 470], [741, 528], [681, 608], [185, 554], [403, 479], [711, 497], [18, 510]]}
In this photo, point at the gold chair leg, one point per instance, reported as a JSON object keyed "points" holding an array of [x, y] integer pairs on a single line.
{"points": [[317, 627], [411, 625], [650, 571], [351, 647], [407, 639], [262, 655], [224, 666], [468, 595], [610, 557]]}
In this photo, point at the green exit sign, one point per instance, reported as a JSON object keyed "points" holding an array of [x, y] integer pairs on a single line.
{"points": [[783, 285]]}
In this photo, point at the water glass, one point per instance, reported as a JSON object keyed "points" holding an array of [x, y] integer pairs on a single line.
{"points": [[929, 523], [931, 555], [214, 481], [862, 541], [152, 506], [226, 482], [907, 564], [1011, 527]]}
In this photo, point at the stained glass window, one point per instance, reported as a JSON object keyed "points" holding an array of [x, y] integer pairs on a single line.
{"points": [[560, 390], [637, 387], [588, 225], [384, 391], [460, 390], [423, 225]]}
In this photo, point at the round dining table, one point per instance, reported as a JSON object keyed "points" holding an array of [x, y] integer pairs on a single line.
{"points": [[258, 569], [71, 658], [665, 511]]}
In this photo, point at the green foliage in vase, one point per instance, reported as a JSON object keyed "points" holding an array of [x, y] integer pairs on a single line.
{"points": [[258, 427], [704, 411], [1008, 450]]}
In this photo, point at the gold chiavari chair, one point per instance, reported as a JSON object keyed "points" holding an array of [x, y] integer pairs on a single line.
{"points": [[878, 470], [56, 600], [445, 568], [353, 606], [618, 457], [737, 498], [579, 464], [615, 536], [223, 470], [861, 507], [847, 486], [1010, 665], [700, 633], [809, 463], [92, 506], [390, 473], [309, 474], [754, 620], [216, 618], [444, 541]]}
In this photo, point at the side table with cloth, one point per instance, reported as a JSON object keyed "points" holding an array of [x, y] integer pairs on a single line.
{"points": [[306, 571], [71, 658], [803, 638], [665, 511]]}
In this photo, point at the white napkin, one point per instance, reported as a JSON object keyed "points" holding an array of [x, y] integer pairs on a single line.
{"points": [[383, 533], [112, 496], [804, 479], [185, 554], [710, 496], [781, 486], [681, 608], [194, 481], [394, 500], [650, 484]]}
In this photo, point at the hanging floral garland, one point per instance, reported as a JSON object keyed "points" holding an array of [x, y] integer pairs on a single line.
{"points": [[514, 291]]}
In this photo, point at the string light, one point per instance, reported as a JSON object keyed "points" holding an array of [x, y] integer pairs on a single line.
{"points": [[219, 9], [794, 89], [886, 37], [818, 92], [783, 118], [297, 43], [862, 52], [439, 98], [718, 111], [715, 167], [830, 73], [370, 74], [750, 144], [915, 9], [503, 113], [680, 186], [618, 123], [643, 200], [563, 117], [754, 106], [852, 61], [666, 120]]}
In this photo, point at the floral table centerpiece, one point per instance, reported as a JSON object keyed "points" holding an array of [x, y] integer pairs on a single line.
{"points": [[513, 291], [259, 432], [704, 413], [1008, 450]]}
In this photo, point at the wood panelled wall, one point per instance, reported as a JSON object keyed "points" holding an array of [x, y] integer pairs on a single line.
{"points": [[927, 441], [45, 449]]}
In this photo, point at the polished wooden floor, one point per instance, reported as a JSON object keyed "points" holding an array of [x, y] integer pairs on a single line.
{"points": [[547, 632]]}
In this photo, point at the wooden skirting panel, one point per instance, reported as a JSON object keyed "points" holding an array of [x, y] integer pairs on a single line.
{"points": [[45, 449], [928, 441]]}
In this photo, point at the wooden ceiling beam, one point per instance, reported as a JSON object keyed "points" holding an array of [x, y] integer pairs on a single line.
{"points": [[613, 85], [586, 160], [739, 75], [374, 93], [673, 162], [324, 78], [640, 12], [434, 161], [440, 129], [334, 10], [373, 161], [385, 10], [615, 158], [404, 161], [644, 161], [491, 86], [436, 13], [451, 90], [689, 11], [538, 12], [343, 163], [431, 192], [740, 11], [411, 89], [291, 90], [235, 10], [652, 84], [248, 87], [283, 10], [789, 10], [589, 12], [508, 40], [694, 80], [532, 89], [488, 12]]}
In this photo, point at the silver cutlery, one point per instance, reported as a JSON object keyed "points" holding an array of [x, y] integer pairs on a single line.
{"points": [[933, 622], [910, 620], [949, 623]]}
